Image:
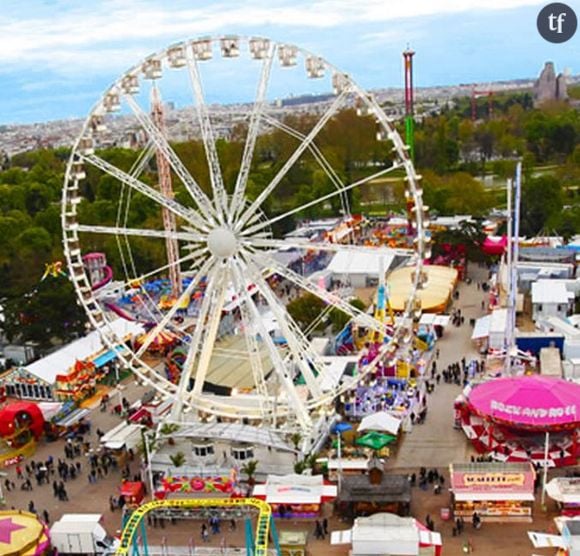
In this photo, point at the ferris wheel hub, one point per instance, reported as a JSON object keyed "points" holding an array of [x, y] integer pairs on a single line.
{"points": [[222, 242]]}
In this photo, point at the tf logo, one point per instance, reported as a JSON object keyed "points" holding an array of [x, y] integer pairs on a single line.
{"points": [[557, 22]]}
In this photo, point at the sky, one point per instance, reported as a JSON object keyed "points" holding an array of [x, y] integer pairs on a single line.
{"points": [[58, 56]]}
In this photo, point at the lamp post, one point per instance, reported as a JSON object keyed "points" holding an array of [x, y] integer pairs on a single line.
{"points": [[148, 458], [339, 453]]}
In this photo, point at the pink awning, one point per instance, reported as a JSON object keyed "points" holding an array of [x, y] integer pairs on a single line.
{"points": [[536, 401]]}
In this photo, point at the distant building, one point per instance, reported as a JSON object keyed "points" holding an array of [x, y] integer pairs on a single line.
{"points": [[551, 298], [549, 86]]}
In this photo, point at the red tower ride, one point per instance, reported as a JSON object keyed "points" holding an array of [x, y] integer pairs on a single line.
{"points": [[166, 187]]}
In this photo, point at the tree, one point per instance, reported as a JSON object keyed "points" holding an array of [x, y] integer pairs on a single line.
{"points": [[296, 438], [541, 203], [340, 319], [306, 309], [177, 459], [250, 468], [46, 314]]}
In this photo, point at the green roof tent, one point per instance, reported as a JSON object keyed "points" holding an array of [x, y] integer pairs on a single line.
{"points": [[375, 440]]}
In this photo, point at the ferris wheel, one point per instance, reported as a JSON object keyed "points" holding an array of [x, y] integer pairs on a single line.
{"points": [[197, 249]]}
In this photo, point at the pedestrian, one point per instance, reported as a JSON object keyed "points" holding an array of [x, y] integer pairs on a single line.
{"points": [[204, 533], [45, 517], [31, 507], [325, 526], [19, 472], [318, 531]]}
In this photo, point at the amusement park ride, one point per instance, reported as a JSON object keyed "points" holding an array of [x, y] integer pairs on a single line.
{"points": [[220, 269]]}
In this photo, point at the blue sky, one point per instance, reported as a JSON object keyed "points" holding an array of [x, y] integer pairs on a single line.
{"points": [[58, 56]]}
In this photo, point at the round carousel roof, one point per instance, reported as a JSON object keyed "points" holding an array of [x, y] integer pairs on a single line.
{"points": [[22, 534], [530, 401]]}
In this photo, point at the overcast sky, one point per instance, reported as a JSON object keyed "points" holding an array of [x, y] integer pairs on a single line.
{"points": [[57, 56]]}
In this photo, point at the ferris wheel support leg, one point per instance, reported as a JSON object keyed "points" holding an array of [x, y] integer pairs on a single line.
{"points": [[194, 346], [283, 319], [279, 365], [210, 338]]}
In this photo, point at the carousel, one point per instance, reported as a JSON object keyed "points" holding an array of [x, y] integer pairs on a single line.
{"points": [[23, 534], [525, 418]]}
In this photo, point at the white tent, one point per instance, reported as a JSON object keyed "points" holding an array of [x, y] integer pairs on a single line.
{"points": [[381, 421], [481, 329], [386, 534]]}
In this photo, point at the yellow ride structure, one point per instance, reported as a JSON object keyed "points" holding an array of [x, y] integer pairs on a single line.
{"points": [[260, 546]]}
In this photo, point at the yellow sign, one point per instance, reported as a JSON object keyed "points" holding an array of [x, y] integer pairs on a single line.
{"points": [[479, 479]]}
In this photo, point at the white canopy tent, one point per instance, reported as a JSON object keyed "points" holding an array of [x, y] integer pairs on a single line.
{"points": [[481, 329], [381, 422], [90, 346], [386, 534]]}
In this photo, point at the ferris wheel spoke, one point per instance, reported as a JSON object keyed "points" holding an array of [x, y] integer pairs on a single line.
{"points": [[298, 345], [139, 232], [170, 204], [324, 246], [162, 145], [179, 302], [253, 208], [318, 156], [158, 271], [260, 225], [321, 293], [280, 367], [144, 158], [237, 202], [215, 172]]}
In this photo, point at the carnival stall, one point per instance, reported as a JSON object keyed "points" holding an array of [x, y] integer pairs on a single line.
{"points": [[175, 486], [524, 418], [387, 534], [295, 495], [566, 492], [496, 491], [71, 372], [21, 425]]}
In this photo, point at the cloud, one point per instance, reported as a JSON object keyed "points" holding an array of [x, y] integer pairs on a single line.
{"points": [[69, 34]]}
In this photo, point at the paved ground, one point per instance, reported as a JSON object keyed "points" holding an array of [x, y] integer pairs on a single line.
{"points": [[434, 444]]}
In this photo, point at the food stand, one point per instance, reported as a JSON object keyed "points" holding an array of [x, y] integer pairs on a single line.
{"points": [[295, 495], [496, 491]]}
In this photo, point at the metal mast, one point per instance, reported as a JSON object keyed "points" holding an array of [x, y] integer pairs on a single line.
{"points": [[409, 102], [166, 187]]}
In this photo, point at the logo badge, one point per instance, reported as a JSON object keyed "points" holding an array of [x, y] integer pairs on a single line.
{"points": [[557, 22]]}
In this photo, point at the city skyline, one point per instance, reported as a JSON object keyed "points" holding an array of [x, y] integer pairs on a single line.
{"points": [[59, 58]]}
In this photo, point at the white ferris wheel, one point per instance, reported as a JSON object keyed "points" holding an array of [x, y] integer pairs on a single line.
{"points": [[217, 237]]}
